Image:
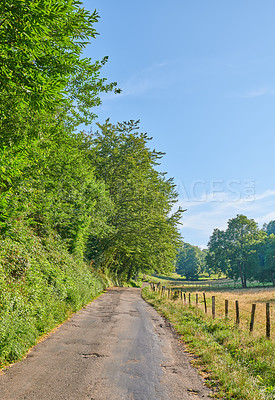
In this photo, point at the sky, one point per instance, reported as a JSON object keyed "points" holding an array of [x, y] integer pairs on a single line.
{"points": [[200, 77]]}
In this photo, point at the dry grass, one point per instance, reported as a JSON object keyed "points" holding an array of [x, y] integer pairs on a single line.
{"points": [[242, 364], [245, 297]]}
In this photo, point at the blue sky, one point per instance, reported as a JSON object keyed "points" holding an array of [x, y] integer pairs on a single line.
{"points": [[200, 76]]}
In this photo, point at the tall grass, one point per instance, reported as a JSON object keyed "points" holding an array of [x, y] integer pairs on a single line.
{"points": [[239, 365], [245, 297]]}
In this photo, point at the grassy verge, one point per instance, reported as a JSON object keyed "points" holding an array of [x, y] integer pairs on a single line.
{"points": [[240, 366], [41, 285]]}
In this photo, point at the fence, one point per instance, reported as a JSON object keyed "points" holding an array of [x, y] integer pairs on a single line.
{"points": [[215, 284], [223, 308]]}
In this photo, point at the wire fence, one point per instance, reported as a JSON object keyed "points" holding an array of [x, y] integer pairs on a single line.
{"points": [[257, 317], [216, 284]]}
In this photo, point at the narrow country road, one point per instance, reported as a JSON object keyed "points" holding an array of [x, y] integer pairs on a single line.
{"points": [[117, 348]]}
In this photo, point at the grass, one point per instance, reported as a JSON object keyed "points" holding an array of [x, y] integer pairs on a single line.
{"points": [[240, 365], [245, 297]]}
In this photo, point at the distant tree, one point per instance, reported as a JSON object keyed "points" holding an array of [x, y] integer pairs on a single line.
{"points": [[270, 257], [216, 258], [234, 251], [266, 259], [189, 261], [269, 228]]}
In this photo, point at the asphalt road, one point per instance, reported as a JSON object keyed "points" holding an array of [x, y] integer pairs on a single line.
{"points": [[116, 348]]}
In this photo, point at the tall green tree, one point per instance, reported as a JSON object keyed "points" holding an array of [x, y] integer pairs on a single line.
{"points": [[266, 258], [234, 251], [269, 228], [144, 229], [47, 88], [41, 43], [190, 261]]}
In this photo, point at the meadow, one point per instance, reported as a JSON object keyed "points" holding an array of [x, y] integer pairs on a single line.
{"points": [[245, 298]]}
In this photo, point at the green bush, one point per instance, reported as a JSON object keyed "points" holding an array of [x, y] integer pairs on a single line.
{"points": [[41, 284]]}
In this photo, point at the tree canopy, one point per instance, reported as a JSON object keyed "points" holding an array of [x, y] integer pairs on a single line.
{"points": [[190, 261], [236, 251], [144, 229], [269, 228], [101, 194]]}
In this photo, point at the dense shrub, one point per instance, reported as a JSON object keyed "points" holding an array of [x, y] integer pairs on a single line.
{"points": [[40, 285]]}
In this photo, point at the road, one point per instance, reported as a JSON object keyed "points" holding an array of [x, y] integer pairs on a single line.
{"points": [[116, 348]]}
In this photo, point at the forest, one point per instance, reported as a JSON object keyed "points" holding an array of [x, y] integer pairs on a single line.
{"points": [[241, 252]]}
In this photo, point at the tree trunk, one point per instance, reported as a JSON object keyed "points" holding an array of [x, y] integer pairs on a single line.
{"points": [[241, 275], [244, 280]]}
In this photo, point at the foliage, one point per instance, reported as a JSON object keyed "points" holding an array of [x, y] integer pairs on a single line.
{"points": [[40, 285], [269, 228], [266, 254], [234, 251], [190, 261], [41, 65], [144, 233]]}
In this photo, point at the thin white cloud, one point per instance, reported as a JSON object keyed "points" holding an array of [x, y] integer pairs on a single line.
{"points": [[259, 93], [201, 218], [144, 81], [225, 199], [266, 218]]}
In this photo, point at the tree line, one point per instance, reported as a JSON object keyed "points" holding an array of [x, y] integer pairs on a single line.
{"points": [[99, 193], [243, 251], [190, 261]]}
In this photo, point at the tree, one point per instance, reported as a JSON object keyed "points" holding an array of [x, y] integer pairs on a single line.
{"points": [[144, 234], [42, 69], [269, 228], [189, 261], [41, 47], [266, 255], [270, 257], [47, 88], [234, 251]]}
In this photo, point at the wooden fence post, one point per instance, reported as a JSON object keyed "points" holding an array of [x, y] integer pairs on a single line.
{"points": [[184, 295], [226, 309], [237, 312], [268, 320], [189, 299], [251, 326], [181, 294], [205, 305], [213, 307], [197, 299]]}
